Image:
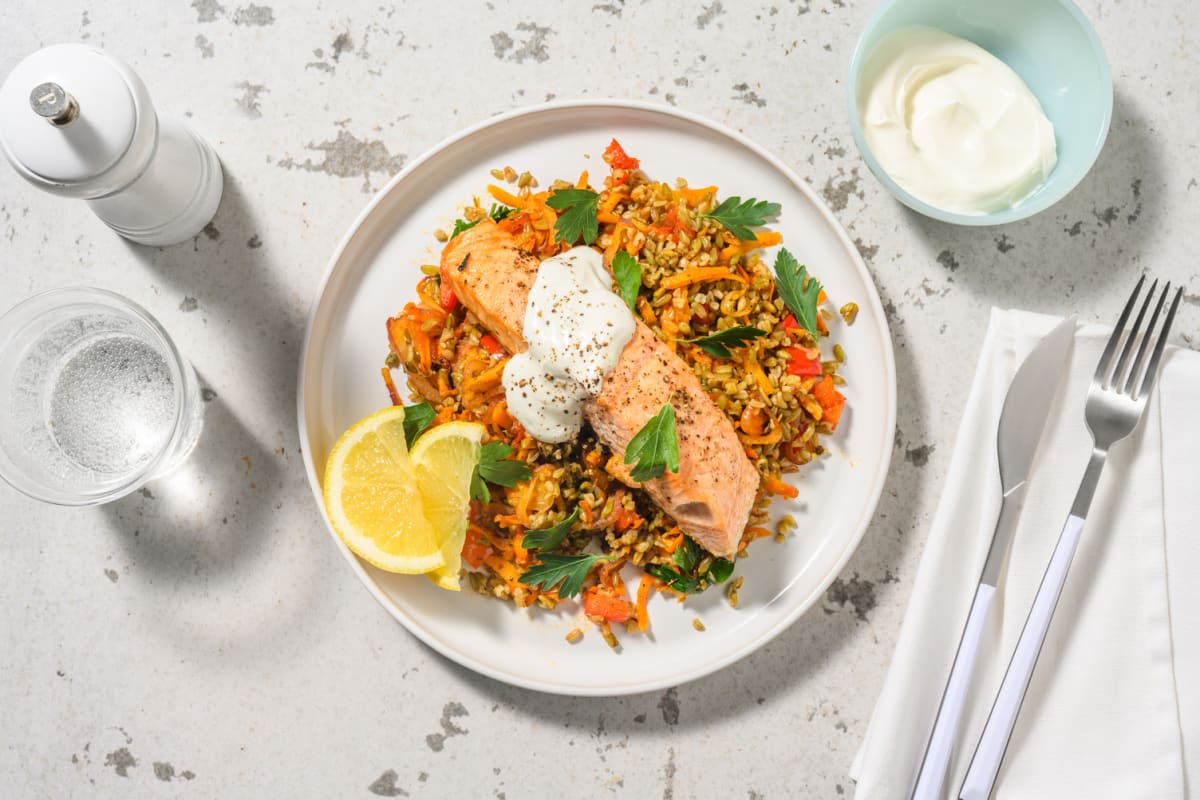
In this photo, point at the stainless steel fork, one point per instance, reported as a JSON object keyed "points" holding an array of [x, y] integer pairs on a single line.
{"points": [[1115, 402]]}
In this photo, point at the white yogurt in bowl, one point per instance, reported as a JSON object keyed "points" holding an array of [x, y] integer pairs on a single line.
{"points": [[952, 124]]}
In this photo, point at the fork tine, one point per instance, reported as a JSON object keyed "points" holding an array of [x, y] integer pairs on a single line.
{"points": [[1152, 370], [1118, 374], [1102, 369], [1139, 360]]}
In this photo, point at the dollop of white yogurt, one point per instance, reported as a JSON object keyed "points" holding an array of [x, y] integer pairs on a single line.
{"points": [[953, 124], [575, 327]]}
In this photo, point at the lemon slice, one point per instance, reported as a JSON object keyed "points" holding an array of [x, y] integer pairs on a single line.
{"points": [[373, 499], [444, 459]]}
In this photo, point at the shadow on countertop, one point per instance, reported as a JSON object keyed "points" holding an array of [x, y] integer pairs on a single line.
{"points": [[226, 270], [1055, 262], [799, 653], [195, 533], [196, 539]]}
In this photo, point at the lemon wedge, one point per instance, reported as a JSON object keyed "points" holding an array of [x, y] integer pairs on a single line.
{"points": [[444, 459], [373, 498]]}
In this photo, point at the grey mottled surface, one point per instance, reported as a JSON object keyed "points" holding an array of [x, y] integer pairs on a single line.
{"points": [[203, 638]]}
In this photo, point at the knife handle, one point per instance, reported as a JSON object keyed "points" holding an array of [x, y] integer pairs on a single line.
{"points": [[989, 753], [945, 727]]}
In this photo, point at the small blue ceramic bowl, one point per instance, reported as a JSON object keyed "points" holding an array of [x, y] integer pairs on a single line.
{"points": [[1054, 49]]}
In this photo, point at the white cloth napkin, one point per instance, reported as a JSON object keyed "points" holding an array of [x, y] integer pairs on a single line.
{"points": [[1113, 709]]}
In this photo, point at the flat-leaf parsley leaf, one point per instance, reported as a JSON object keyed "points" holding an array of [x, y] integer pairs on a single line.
{"points": [[578, 217], [739, 217], [628, 275], [655, 447], [416, 419], [571, 571], [798, 290], [717, 344], [552, 537], [496, 467]]}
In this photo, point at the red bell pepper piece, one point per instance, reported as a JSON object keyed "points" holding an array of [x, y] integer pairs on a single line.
{"points": [[801, 363], [489, 343], [475, 548], [616, 157], [600, 602]]}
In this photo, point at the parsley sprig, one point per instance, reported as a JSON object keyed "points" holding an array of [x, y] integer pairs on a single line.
{"points": [[496, 467], [578, 217], [738, 217], [552, 537], [569, 571], [628, 275], [684, 576], [496, 213], [798, 290], [717, 344], [416, 419], [655, 447]]}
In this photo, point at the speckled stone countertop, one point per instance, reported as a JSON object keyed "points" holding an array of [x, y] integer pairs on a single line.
{"points": [[203, 638]]}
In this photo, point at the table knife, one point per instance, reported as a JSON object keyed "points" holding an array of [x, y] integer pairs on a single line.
{"points": [[1022, 420]]}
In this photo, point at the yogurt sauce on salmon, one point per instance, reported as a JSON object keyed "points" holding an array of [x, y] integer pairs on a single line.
{"points": [[575, 327]]}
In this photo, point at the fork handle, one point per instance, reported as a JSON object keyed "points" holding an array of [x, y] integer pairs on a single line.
{"points": [[989, 753]]}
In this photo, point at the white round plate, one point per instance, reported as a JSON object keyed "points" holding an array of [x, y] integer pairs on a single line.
{"points": [[373, 274]]}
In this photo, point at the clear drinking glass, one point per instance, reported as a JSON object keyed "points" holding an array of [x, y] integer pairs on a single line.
{"points": [[95, 399]]}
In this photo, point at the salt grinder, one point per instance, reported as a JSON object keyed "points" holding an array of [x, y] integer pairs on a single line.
{"points": [[79, 123]]}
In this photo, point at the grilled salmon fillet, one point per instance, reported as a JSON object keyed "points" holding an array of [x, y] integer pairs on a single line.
{"points": [[712, 494]]}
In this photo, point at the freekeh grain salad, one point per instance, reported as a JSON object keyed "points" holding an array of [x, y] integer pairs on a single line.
{"points": [[674, 377]]}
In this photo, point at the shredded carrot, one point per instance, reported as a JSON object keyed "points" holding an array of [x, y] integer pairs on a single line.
{"points": [[757, 532], [614, 244], [506, 197], [604, 212], [488, 379], [391, 387], [499, 416], [699, 275], [429, 290], [395, 333], [625, 519], [504, 569], [583, 180], [775, 486], [422, 344], [610, 201], [760, 377], [645, 586], [646, 311], [525, 492], [761, 239], [672, 539], [693, 196], [520, 554], [763, 438], [585, 511]]}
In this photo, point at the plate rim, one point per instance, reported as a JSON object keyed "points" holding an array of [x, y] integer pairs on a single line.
{"points": [[784, 622]]}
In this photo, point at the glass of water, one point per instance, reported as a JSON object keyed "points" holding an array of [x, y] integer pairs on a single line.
{"points": [[95, 399]]}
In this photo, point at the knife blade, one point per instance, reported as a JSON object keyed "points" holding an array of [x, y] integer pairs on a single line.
{"points": [[1022, 420]]}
